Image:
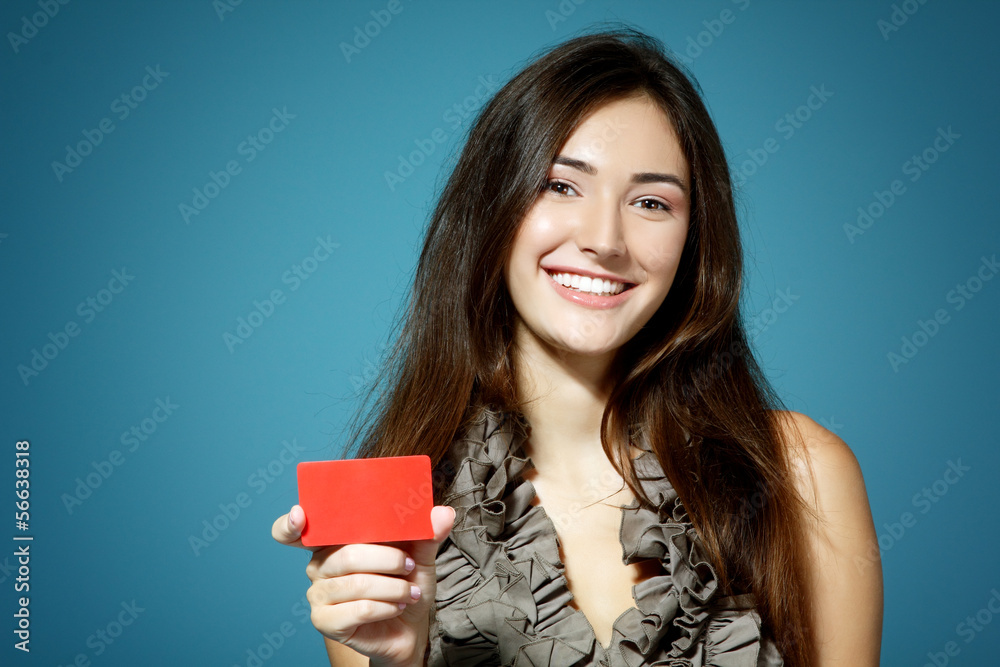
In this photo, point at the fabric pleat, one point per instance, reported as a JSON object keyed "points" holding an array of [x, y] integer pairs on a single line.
{"points": [[502, 597]]}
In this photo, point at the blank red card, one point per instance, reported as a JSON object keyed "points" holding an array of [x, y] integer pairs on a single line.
{"points": [[354, 501]]}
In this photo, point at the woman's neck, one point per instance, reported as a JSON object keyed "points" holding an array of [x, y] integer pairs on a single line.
{"points": [[563, 397]]}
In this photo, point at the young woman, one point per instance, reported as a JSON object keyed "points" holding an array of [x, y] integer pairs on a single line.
{"points": [[616, 485]]}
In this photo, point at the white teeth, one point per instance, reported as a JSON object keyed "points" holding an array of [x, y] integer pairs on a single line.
{"points": [[588, 284]]}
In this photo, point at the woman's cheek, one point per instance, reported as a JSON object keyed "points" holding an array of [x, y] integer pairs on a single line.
{"points": [[662, 257]]}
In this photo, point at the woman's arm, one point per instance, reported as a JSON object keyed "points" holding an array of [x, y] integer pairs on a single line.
{"points": [[344, 656], [845, 568]]}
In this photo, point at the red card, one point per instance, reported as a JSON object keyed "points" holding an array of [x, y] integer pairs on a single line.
{"points": [[352, 501]]}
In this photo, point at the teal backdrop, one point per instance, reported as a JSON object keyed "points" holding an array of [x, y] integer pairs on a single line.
{"points": [[212, 210]]}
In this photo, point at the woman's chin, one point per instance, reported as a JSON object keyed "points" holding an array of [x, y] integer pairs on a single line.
{"points": [[589, 348]]}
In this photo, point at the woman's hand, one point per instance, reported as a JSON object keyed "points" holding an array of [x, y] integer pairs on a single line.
{"points": [[374, 598]]}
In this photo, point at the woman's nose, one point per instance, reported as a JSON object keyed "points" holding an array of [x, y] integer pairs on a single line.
{"points": [[600, 229]]}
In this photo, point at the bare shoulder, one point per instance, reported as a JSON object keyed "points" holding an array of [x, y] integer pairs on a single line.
{"points": [[844, 563], [826, 470], [829, 478]]}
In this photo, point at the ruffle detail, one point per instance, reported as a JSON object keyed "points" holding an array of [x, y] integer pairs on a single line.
{"points": [[502, 597]]}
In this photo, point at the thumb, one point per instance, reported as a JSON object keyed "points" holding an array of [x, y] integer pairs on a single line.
{"points": [[424, 552], [287, 528]]}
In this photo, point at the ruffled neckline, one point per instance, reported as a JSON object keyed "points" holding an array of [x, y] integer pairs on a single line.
{"points": [[502, 594]]}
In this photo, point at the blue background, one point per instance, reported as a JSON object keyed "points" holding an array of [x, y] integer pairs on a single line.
{"points": [[295, 379]]}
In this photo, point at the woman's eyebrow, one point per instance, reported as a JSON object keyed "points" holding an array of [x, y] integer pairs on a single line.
{"points": [[640, 178]]}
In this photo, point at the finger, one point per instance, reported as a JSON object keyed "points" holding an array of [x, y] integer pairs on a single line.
{"points": [[287, 528], [425, 551], [354, 587], [339, 622], [351, 558]]}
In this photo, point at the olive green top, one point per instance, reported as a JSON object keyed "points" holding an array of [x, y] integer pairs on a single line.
{"points": [[502, 597]]}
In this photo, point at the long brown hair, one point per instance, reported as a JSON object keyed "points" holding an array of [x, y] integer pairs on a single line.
{"points": [[687, 382]]}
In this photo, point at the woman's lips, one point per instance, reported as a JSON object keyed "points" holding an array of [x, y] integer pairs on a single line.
{"points": [[589, 299]]}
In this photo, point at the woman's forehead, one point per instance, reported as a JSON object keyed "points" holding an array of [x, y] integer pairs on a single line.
{"points": [[635, 131]]}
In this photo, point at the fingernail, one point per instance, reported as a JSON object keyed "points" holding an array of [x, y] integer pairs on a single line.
{"points": [[401, 605], [295, 525], [415, 592], [409, 565]]}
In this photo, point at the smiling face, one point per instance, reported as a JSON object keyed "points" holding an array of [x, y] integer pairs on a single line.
{"points": [[597, 252]]}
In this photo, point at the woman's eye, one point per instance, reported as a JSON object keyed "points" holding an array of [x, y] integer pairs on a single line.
{"points": [[559, 187], [649, 204], [657, 205]]}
